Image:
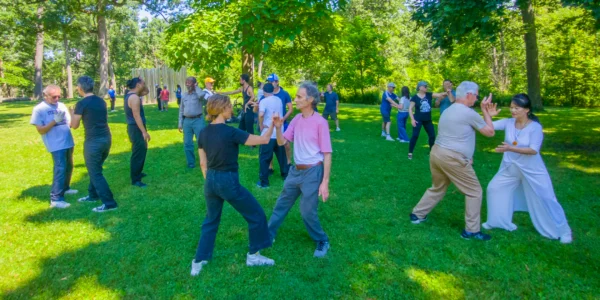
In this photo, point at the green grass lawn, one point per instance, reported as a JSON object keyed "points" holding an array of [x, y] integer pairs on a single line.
{"points": [[144, 249]]}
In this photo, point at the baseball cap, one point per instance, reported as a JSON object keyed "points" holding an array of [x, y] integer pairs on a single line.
{"points": [[273, 77], [391, 84], [268, 88], [421, 83], [209, 79]]}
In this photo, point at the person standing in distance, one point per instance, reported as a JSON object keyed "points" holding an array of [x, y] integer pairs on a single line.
{"points": [[178, 94], [52, 120], [218, 148], [387, 102], [158, 101], [403, 106], [332, 106], [450, 96], [136, 129], [422, 103], [247, 122], [112, 95], [164, 97], [191, 120], [310, 176], [96, 147]]}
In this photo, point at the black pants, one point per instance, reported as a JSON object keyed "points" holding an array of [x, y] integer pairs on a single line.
{"points": [[112, 103], [159, 103], [247, 121], [266, 156], [95, 152], [428, 125], [139, 148], [178, 101], [222, 186]]}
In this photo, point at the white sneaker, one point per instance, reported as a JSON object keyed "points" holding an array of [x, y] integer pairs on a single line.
{"points": [[403, 141], [337, 129], [567, 238], [113, 110], [59, 204], [258, 260], [389, 138], [197, 267], [71, 192]]}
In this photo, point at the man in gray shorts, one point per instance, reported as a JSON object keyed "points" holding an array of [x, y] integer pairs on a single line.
{"points": [[332, 106]]}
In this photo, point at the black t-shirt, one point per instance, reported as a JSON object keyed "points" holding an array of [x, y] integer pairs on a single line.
{"points": [[94, 116], [423, 106], [221, 144]]}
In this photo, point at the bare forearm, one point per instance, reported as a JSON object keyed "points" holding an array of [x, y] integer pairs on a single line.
{"points": [[139, 122], [280, 139], [45, 129], [526, 151], [326, 167]]}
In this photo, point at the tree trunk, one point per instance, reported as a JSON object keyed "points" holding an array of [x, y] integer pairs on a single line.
{"points": [[103, 47], [505, 78], [113, 79], [531, 54], [39, 54], [68, 67], [3, 86], [247, 57]]}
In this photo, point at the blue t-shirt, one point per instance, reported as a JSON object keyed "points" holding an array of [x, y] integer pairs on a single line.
{"points": [[445, 103], [59, 137], [111, 93], [385, 104], [285, 99], [178, 93], [330, 101], [94, 116]]}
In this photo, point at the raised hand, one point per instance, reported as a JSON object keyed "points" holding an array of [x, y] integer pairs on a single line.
{"points": [[59, 116], [277, 120], [492, 110]]}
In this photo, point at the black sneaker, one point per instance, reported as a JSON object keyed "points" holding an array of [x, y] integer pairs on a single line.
{"points": [[144, 175], [271, 171], [103, 208], [475, 235], [261, 185], [415, 220], [139, 184]]}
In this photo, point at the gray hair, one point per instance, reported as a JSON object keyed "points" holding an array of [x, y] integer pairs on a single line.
{"points": [[51, 87], [311, 91], [466, 87], [86, 83]]}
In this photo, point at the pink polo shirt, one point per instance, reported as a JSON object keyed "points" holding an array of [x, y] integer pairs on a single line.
{"points": [[310, 137]]}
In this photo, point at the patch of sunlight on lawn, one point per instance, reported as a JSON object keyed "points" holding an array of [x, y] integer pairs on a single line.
{"points": [[437, 283], [572, 166], [25, 245], [87, 287]]}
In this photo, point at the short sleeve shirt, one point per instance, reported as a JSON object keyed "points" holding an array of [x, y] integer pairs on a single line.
{"points": [[423, 107], [285, 99], [111, 93], [445, 103], [221, 143], [269, 106], [330, 101], [94, 116], [385, 104], [457, 127], [310, 137], [58, 137]]}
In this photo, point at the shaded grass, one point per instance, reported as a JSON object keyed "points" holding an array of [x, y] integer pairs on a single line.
{"points": [[144, 249]]}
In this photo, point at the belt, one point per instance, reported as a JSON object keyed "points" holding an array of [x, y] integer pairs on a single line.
{"points": [[305, 167], [194, 117]]}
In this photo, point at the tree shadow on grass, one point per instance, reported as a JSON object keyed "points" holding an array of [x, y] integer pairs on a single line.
{"points": [[12, 120]]}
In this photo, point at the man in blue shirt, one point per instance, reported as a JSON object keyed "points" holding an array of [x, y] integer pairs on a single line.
{"points": [[332, 106], [112, 95], [448, 100], [387, 102], [52, 120], [286, 100]]}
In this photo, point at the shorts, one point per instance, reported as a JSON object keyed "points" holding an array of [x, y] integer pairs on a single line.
{"points": [[327, 114], [165, 102], [385, 115]]}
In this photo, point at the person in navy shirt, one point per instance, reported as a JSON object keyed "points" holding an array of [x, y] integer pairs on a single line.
{"points": [[112, 95], [332, 106], [387, 102]]}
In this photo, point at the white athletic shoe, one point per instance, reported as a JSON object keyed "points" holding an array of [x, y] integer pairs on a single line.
{"points": [[389, 138], [567, 238], [337, 129], [71, 192], [258, 260], [383, 134], [197, 267], [59, 204]]}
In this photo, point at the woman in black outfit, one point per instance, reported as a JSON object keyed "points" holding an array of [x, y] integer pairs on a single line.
{"points": [[218, 148]]}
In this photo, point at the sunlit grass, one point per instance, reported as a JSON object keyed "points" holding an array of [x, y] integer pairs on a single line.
{"points": [[143, 250]]}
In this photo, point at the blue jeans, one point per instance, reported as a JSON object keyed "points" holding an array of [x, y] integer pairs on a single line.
{"points": [[222, 186], [63, 169], [191, 128], [401, 118]]}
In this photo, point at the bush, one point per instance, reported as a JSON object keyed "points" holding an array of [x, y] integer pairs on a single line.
{"points": [[371, 96]]}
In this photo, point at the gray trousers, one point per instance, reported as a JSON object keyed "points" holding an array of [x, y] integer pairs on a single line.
{"points": [[305, 183], [191, 128]]}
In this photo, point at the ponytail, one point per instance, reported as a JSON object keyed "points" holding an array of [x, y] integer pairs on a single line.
{"points": [[533, 117]]}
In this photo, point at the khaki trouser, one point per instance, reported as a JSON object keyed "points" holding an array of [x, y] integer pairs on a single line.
{"points": [[449, 166]]}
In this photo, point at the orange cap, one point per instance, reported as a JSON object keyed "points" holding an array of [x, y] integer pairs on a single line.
{"points": [[209, 79]]}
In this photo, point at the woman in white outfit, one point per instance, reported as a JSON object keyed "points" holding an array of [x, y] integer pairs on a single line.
{"points": [[523, 182]]}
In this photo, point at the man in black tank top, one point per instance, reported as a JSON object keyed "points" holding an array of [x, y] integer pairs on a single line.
{"points": [[247, 122], [136, 129]]}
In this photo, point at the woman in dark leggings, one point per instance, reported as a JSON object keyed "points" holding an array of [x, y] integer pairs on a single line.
{"points": [[422, 103], [218, 148]]}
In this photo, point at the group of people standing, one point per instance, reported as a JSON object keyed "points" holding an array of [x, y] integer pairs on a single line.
{"points": [[522, 183]]}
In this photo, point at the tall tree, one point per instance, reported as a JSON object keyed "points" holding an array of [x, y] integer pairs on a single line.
{"points": [[39, 52]]}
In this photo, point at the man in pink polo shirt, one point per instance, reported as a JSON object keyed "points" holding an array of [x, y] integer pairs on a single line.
{"points": [[309, 176]]}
